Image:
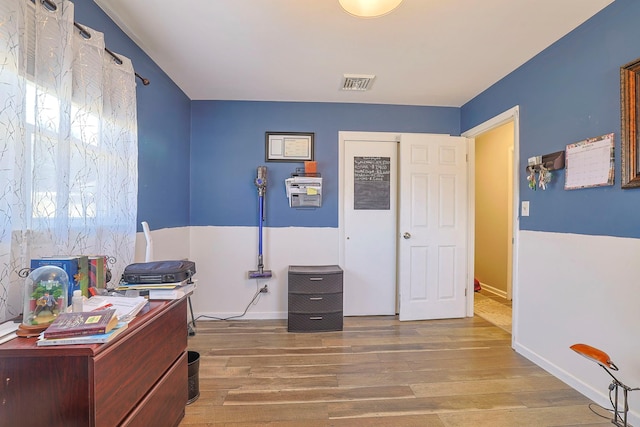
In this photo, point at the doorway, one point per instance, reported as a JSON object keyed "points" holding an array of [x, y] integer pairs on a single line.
{"points": [[495, 217], [493, 207], [429, 227]]}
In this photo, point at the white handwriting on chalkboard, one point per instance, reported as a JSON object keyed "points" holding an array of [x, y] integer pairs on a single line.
{"points": [[372, 168]]}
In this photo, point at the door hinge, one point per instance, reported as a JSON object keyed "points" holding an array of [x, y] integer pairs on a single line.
{"points": [[465, 292]]}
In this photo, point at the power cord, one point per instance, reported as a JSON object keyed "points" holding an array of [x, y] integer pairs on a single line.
{"points": [[261, 290], [610, 411], [619, 418]]}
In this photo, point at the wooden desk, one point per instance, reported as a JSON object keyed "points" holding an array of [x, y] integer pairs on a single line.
{"points": [[139, 379]]}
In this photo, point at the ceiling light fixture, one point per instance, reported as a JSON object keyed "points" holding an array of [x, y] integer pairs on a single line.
{"points": [[369, 8]]}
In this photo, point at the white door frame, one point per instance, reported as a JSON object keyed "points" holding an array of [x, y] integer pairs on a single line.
{"points": [[344, 136], [512, 114]]}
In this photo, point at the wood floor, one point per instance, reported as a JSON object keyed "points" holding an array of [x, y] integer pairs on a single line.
{"points": [[377, 372]]}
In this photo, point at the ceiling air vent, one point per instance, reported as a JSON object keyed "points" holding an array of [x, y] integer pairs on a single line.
{"points": [[359, 82]]}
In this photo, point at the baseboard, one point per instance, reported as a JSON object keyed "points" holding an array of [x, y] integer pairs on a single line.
{"points": [[598, 396], [238, 316], [492, 290]]}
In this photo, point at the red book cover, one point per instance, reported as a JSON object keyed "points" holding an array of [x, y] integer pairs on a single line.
{"points": [[82, 323]]}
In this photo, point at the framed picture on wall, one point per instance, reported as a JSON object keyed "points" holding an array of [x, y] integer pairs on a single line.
{"points": [[288, 146], [630, 144]]}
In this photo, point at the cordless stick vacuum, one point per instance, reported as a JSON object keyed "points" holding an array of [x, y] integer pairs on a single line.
{"points": [[261, 184]]}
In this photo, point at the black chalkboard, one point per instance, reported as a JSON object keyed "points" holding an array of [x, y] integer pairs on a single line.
{"points": [[372, 183]]}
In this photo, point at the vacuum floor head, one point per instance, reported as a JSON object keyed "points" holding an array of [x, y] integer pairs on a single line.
{"points": [[257, 274]]}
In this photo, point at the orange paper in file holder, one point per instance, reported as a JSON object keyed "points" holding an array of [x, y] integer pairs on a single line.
{"points": [[310, 167]]}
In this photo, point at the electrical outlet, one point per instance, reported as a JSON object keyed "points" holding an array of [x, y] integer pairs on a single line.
{"points": [[525, 208], [264, 289]]}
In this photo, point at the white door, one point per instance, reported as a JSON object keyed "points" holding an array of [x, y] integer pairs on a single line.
{"points": [[433, 226], [369, 184]]}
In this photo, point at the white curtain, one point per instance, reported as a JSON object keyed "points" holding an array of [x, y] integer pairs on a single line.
{"points": [[68, 144]]}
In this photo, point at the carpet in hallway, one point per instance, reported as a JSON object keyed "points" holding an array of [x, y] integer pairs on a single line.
{"points": [[492, 311]]}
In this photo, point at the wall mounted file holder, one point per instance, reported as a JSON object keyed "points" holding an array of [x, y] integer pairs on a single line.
{"points": [[304, 190]]}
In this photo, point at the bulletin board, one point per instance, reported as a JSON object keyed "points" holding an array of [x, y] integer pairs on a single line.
{"points": [[589, 163]]}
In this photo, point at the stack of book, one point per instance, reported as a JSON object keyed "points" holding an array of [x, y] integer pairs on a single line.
{"points": [[161, 291], [87, 327], [126, 307]]}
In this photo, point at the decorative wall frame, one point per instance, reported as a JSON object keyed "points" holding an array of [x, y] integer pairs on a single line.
{"points": [[288, 146], [629, 109]]}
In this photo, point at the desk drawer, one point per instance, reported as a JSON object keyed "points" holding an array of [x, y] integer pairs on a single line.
{"points": [[165, 403], [127, 371]]}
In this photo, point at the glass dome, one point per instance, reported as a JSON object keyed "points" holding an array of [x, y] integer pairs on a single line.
{"points": [[45, 296]]}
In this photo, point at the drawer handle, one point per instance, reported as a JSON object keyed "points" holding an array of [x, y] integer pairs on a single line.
{"points": [[315, 318], [316, 278], [316, 298]]}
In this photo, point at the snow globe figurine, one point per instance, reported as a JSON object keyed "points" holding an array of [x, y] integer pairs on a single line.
{"points": [[45, 296]]}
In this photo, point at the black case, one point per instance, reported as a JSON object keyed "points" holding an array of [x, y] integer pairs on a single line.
{"points": [[159, 272]]}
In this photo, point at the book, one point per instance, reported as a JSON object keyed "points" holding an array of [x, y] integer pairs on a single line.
{"points": [[8, 330], [126, 307], [145, 286], [83, 278], [98, 271], [83, 339], [82, 323], [175, 293]]}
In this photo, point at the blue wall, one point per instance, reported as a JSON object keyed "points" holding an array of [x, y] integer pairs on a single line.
{"points": [[163, 129], [219, 144], [568, 93], [228, 144], [197, 160]]}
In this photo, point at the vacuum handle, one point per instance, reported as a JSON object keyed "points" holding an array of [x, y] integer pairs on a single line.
{"points": [[261, 180]]}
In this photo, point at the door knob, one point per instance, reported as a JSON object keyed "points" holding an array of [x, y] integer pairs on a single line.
{"points": [[406, 235]]}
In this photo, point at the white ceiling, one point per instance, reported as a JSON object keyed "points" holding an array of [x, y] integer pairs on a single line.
{"points": [[426, 52]]}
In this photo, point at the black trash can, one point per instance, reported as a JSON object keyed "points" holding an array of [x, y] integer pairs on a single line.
{"points": [[193, 364]]}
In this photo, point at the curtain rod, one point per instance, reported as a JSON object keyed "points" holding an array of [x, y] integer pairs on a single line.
{"points": [[87, 35], [49, 4]]}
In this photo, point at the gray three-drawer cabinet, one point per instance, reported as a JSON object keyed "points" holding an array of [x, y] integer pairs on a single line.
{"points": [[315, 298]]}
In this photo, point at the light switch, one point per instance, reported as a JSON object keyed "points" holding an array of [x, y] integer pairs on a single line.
{"points": [[525, 208]]}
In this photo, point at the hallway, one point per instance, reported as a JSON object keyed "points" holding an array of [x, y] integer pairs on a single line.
{"points": [[494, 309]]}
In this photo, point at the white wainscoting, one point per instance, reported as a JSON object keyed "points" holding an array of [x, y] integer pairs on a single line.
{"points": [[580, 289], [225, 255]]}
